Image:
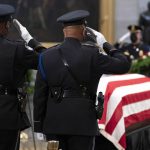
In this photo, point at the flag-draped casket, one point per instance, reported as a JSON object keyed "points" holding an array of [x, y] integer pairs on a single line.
{"points": [[126, 106]]}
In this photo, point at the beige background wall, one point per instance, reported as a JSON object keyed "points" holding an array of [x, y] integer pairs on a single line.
{"points": [[106, 23], [127, 12]]}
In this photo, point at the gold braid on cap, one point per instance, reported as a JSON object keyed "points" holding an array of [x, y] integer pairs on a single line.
{"points": [[133, 29]]}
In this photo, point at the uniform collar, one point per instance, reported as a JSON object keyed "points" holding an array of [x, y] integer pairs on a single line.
{"points": [[137, 44], [72, 41]]}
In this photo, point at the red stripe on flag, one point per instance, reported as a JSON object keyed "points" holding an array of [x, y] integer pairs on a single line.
{"points": [[115, 84], [136, 97], [122, 141], [136, 118], [114, 119]]}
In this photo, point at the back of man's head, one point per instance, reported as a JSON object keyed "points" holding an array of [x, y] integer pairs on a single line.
{"points": [[74, 23]]}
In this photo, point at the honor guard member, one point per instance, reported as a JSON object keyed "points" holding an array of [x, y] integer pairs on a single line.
{"points": [[15, 60], [136, 49], [66, 84]]}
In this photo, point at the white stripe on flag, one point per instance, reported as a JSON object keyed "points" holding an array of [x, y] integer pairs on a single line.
{"points": [[136, 107], [119, 129], [120, 92], [105, 79]]}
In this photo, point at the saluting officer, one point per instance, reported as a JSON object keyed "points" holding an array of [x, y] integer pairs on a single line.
{"points": [[66, 84], [15, 60], [136, 49]]}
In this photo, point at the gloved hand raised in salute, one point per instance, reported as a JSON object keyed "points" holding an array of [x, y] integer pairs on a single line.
{"points": [[22, 31], [100, 40], [99, 37], [26, 36]]}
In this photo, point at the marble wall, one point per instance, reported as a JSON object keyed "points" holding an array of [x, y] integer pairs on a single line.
{"points": [[127, 12]]}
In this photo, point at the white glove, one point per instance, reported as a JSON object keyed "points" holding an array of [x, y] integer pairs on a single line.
{"points": [[100, 39], [40, 136], [29, 48], [23, 31], [125, 36]]}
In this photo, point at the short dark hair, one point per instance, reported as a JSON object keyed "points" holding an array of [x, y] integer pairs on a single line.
{"points": [[5, 18]]}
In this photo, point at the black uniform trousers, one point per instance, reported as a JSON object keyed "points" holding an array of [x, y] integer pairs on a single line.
{"points": [[101, 143], [73, 142], [9, 139]]}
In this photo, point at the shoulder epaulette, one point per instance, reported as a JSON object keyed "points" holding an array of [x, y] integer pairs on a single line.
{"points": [[21, 42], [54, 46], [90, 44]]}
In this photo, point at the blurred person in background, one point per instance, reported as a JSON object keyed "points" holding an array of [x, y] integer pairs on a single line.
{"points": [[136, 49]]}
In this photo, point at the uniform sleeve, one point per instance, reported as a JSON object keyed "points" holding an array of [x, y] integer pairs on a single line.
{"points": [[39, 102], [26, 58], [36, 45], [117, 63]]}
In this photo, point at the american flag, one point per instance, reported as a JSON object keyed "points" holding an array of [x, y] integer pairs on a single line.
{"points": [[126, 106]]}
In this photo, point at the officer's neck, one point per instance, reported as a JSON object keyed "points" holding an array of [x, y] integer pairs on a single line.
{"points": [[75, 33]]}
